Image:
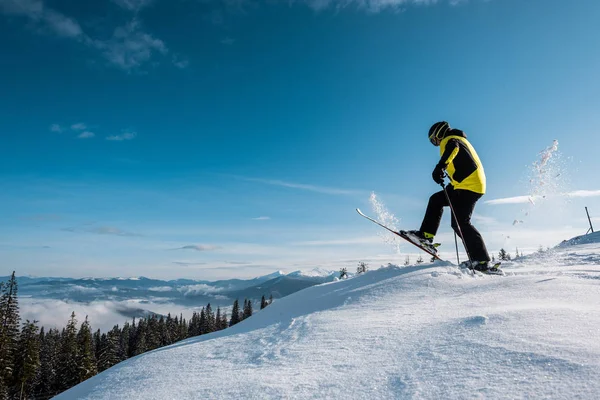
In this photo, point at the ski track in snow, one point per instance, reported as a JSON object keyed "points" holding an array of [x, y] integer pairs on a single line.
{"points": [[420, 332]]}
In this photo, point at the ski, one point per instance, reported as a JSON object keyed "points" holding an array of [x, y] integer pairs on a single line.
{"points": [[402, 235]]}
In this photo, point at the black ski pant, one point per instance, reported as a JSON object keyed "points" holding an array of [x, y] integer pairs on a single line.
{"points": [[463, 202]]}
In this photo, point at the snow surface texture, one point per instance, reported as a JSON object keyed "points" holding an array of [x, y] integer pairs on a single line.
{"points": [[419, 332]]}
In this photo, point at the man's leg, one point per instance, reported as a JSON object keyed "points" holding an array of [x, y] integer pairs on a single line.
{"points": [[435, 210], [463, 202]]}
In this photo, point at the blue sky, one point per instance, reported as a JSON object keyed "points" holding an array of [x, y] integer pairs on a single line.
{"points": [[213, 139]]}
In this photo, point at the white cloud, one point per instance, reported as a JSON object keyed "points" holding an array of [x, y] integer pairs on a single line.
{"points": [[261, 218], [373, 5], [127, 135], [340, 242], [86, 135], [199, 289], [485, 220], [161, 289], [180, 63], [79, 126], [43, 17], [101, 230], [56, 128], [227, 41], [533, 199], [584, 193], [199, 247], [188, 264], [301, 186], [129, 48], [133, 5]]}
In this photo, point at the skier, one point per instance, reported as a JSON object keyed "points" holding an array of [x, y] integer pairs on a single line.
{"points": [[467, 185]]}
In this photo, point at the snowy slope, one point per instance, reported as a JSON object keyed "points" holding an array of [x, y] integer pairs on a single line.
{"points": [[427, 332]]}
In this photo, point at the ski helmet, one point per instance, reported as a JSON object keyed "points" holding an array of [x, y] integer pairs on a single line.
{"points": [[437, 132]]}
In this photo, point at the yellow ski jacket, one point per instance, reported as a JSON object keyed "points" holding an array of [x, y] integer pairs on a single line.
{"points": [[462, 163]]}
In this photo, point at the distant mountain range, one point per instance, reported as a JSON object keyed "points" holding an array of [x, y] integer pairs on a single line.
{"points": [[184, 292]]}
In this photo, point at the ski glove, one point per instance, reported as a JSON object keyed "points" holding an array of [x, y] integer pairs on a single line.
{"points": [[438, 174]]}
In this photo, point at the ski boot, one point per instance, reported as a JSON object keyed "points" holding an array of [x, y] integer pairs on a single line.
{"points": [[424, 240], [482, 266]]}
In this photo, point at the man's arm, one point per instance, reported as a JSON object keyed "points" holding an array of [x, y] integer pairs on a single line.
{"points": [[450, 152]]}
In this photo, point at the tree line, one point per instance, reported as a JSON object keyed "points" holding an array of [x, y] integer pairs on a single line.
{"points": [[38, 364]]}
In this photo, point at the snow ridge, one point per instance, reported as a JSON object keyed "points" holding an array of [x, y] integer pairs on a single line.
{"points": [[426, 332]]}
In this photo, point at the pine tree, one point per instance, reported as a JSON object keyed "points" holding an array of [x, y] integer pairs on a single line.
{"points": [[502, 255], [49, 355], [86, 359], [247, 309], [183, 328], [68, 368], [152, 334], [27, 359], [270, 299], [343, 275], [420, 260], [123, 353], [235, 313], [210, 319], [132, 339], [362, 267], [224, 324], [163, 332], [3, 390], [202, 324], [172, 327], [140, 345], [263, 302], [109, 349], [9, 328], [407, 261]]}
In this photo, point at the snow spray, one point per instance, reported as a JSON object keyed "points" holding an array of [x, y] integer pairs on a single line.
{"points": [[387, 219]]}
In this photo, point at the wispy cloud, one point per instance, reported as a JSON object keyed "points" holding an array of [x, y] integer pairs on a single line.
{"points": [[199, 289], [86, 135], [79, 126], [373, 6], [133, 5], [129, 48], [584, 193], [511, 200], [533, 199], [188, 264], [485, 220], [340, 242], [302, 186], [101, 230], [227, 41], [45, 18], [41, 217], [199, 247], [161, 289], [261, 218], [55, 127], [180, 63], [127, 135]]}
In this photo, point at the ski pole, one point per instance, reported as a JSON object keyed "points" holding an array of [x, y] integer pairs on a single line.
{"points": [[456, 245], [456, 221]]}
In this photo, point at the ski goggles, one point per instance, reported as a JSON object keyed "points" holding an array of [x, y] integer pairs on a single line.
{"points": [[434, 141]]}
